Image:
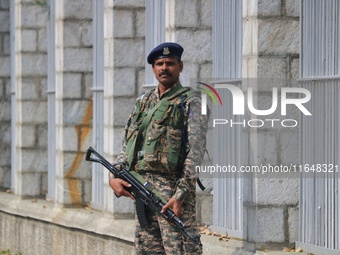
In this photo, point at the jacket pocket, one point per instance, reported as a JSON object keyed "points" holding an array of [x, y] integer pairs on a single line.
{"points": [[154, 144], [174, 137]]}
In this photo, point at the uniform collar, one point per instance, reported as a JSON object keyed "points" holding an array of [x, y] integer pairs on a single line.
{"points": [[167, 91]]}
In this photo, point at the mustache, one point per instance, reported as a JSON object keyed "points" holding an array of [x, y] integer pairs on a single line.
{"points": [[164, 73]]}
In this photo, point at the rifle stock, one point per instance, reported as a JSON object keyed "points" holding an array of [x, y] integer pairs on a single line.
{"points": [[144, 192]]}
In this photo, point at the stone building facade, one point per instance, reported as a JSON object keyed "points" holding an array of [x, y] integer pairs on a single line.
{"points": [[69, 74]]}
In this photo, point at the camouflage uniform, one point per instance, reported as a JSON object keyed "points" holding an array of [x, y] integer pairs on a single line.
{"points": [[160, 162]]}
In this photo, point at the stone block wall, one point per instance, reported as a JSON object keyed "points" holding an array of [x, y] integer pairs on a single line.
{"points": [[28, 86], [128, 63], [124, 41], [270, 59], [193, 30], [73, 99], [5, 96], [32, 99]]}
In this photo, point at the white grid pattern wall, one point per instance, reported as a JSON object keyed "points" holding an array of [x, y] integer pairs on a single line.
{"points": [[320, 140], [51, 104], [13, 94], [98, 102], [227, 64], [154, 33]]}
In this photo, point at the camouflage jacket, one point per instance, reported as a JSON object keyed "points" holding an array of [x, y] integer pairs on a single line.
{"points": [[159, 148]]}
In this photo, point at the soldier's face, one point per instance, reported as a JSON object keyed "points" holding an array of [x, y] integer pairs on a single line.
{"points": [[167, 70]]}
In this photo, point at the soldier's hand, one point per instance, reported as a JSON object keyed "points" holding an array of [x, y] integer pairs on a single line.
{"points": [[119, 187], [175, 205]]}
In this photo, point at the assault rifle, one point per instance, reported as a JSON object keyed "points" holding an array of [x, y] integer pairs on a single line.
{"points": [[144, 193]]}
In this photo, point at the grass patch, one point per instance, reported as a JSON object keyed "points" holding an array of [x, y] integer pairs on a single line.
{"points": [[8, 252]]}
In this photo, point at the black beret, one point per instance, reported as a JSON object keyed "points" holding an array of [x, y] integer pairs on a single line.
{"points": [[165, 50]]}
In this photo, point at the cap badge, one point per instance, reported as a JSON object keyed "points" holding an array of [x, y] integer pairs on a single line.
{"points": [[166, 51]]}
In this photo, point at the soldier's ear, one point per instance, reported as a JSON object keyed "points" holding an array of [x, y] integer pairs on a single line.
{"points": [[181, 66]]}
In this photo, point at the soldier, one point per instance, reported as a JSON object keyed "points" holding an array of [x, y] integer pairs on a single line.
{"points": [[164, 139]]}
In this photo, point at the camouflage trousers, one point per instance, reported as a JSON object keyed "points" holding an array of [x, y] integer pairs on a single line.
{"points": [[161, 237]]}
